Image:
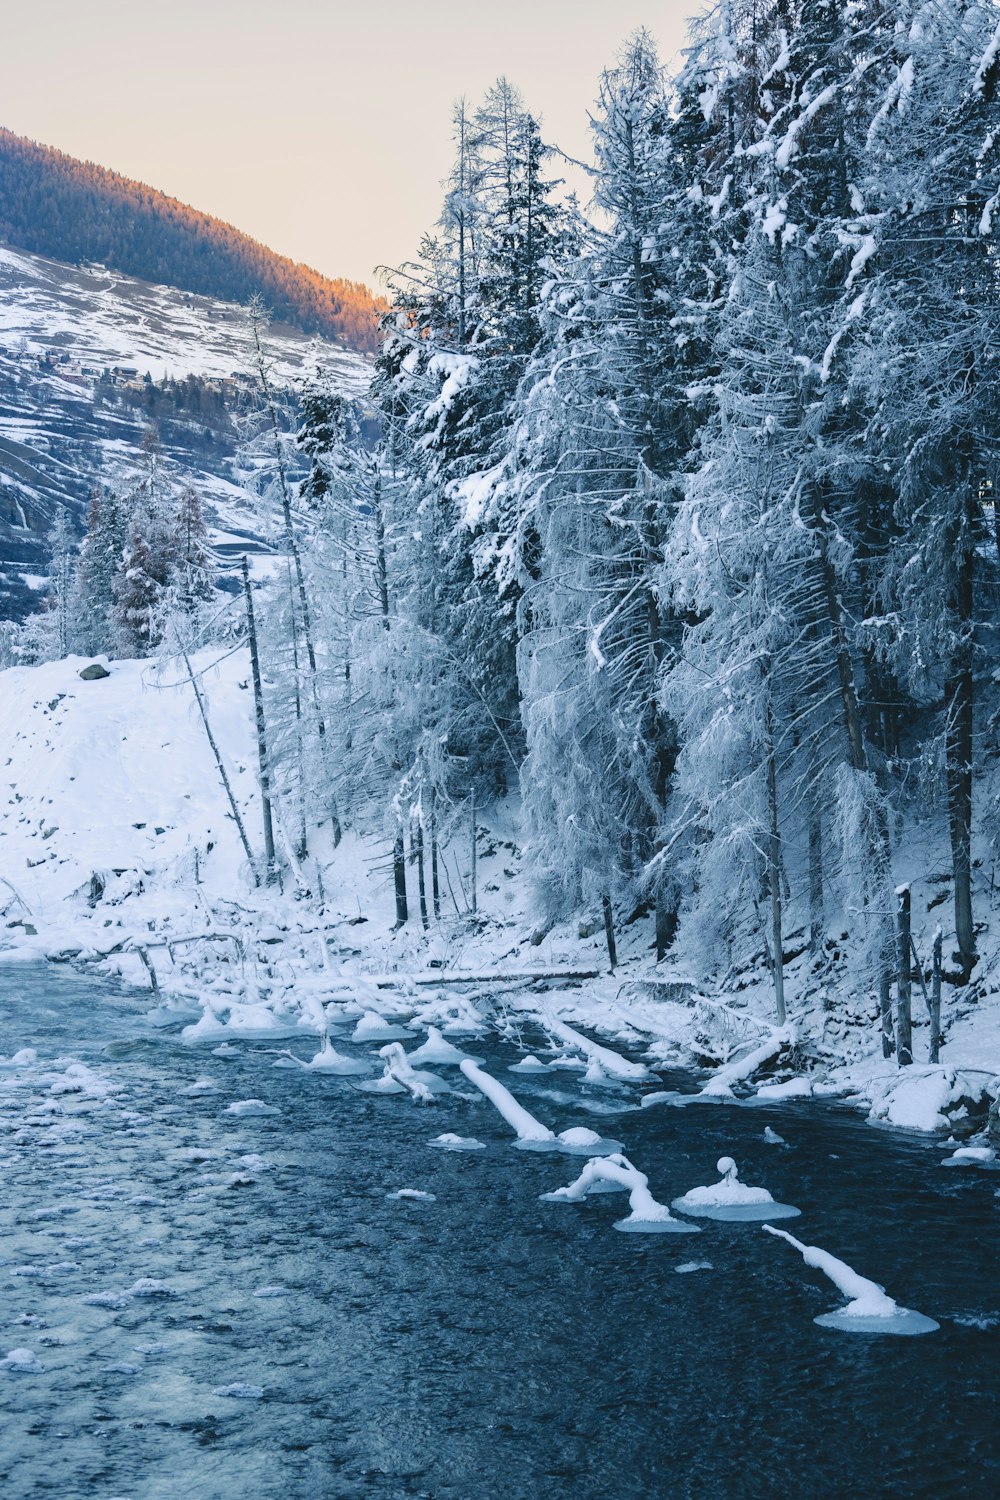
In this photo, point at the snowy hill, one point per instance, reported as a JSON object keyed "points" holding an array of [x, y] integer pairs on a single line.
{"points": [[75, 346]]}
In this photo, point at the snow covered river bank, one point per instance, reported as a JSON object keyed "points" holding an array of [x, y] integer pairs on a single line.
{"points": [[211, 1288]]}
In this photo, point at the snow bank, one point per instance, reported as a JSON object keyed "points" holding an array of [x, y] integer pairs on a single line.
{"points": [[924, 1097]]}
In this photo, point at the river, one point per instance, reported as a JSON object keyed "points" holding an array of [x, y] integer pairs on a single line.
{"points": [[476, 1344]]}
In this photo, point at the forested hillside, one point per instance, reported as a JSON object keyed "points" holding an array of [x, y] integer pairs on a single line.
{"points": [[75, 211]]}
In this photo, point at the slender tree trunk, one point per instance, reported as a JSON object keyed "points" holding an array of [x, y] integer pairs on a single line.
{"points": [[774, 871], [609, 931], [399, 878], [935, 1005], [816, 914], [435, 888], [203, 710], [294, 552], [904, 994], [472, 831], [418, 850], [959, 705], [885, 1010], [262, 760]]}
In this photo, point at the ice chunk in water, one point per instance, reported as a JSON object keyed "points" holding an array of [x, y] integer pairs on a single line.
{"points": [[582, 1142], [449, 1142], [970, 1156], [417, 1193], [251, 1107]]}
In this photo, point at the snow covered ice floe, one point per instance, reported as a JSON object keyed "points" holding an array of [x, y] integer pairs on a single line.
{"points": [[26, 1057], [415, 1193], [529, 1064], [870, 1309], [693, 1265], [373, 1027], [251, 1107], [439, 1052], [579, 1141], [647, 1216], [731, 1199], [448, 1142], [772, 1138], [21, 1362], [792, 1088], [971, 1156]]}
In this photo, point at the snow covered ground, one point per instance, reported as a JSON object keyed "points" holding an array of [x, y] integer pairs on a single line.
{"points": [[115, 837]]}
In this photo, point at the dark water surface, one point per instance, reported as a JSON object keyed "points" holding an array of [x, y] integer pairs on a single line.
{"points": [[480, 1345]]}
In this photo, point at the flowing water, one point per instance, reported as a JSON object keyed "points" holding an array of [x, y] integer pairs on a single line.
{"points": [[269, 1323]]}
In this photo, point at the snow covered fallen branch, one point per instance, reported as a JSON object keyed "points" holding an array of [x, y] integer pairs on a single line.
{"points": [[612, 1062], [722, 1080], [870, 1308], [524, 1125], [646, 1214]]}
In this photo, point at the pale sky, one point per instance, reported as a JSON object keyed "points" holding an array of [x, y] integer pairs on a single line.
{"points": [[317, 126]]}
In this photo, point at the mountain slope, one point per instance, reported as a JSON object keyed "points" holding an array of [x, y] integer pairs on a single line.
{"points": [[54, 205], [75, 347]]}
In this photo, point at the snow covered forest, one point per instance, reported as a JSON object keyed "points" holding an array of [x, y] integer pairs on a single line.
{"points": [[669, 522]]}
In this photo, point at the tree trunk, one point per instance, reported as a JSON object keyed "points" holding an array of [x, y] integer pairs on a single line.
{"points": [[220, 767], [816, 915], [609, 931], [885, 1010], [435, 888], [935, 1005], [262, 761], [475, 903], [418, 852], [399, 878], [296, 556], [904, 1000], [774, 872], [959, 704]]}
